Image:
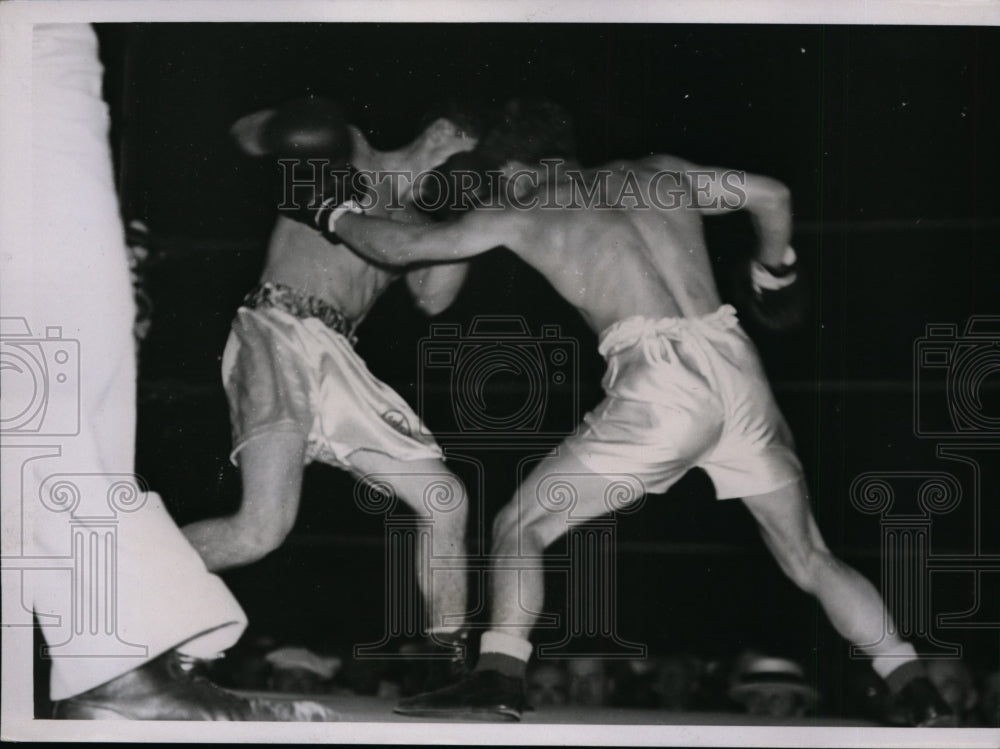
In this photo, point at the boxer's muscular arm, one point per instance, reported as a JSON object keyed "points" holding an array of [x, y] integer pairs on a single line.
{"points": [[715, 190], [771, 287], [770, 205], [394, 243], [435, 287]]}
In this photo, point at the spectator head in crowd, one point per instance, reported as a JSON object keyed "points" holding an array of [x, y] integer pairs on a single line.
{"points": [[588, 681], [768, 685], [547, 684], [678, 682]]}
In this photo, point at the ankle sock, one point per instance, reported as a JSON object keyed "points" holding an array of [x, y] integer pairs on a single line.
{"points": [[504, 653]]}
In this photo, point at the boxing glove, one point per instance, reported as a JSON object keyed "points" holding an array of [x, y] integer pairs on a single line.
{"points": [[309, 128], [773, 296], [466, 180], [310, 191]]}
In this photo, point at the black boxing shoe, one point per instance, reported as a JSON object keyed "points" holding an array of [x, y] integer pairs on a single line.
{"points": [[919, 703], [482, 695], [166, 689], [448, 661]]}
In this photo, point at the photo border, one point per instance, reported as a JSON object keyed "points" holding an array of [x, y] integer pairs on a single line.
{"points": [[16, 20]]}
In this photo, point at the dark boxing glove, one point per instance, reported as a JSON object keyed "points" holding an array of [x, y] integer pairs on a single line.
{"points": [[466, 180], [311, 144], [310, 128], [310, 192], [773, 296]]}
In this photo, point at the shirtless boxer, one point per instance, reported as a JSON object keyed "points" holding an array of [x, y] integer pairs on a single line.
{"points": [[684, 384], [297, 390]]}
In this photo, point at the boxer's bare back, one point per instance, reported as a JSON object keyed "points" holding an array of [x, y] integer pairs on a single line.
{"points": [[626, 258]]}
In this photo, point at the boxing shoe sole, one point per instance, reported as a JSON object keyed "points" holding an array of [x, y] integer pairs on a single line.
{"points": [[479, 714], [940, 721]]}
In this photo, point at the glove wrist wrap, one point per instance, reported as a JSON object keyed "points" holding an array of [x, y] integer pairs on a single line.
{"points": [[772, 278]]}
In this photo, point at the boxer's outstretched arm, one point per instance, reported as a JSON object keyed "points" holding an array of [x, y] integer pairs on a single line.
{"points": [[435, 287], [394, 243]]}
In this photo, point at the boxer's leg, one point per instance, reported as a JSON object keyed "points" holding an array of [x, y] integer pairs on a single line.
{"points": [[850, 601], [560, 490], [646, 446], [433, 491], [271, 467], [852, 604]]}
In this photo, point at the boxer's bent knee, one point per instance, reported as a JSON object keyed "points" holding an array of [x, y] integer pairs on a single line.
{"points": [[258, 535]]}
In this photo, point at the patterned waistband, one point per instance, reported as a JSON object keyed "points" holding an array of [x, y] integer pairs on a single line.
{"points": [[301, 305]]}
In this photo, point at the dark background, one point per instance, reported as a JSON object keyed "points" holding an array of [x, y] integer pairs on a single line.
{"points": [[887, 138]]}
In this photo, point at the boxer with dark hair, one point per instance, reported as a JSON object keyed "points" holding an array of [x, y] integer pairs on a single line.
{"points": [[684, 385], [528, 131], [297, 390], [469, 117]]}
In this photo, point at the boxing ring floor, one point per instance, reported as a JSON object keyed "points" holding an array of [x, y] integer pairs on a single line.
{"points": [[367, 709]]}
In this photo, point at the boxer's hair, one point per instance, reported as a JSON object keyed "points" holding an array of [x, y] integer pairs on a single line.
{"points": [[469, 116], [529, 130]]}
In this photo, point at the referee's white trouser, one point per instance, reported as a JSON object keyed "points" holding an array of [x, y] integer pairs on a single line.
{"points": [[109, 575]]}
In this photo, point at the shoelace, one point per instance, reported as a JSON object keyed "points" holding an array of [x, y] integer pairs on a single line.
{"points": [[458, 663]]}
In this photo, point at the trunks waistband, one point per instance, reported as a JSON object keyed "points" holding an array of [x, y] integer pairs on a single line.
{"points": [[631, 330], [294, 302]]}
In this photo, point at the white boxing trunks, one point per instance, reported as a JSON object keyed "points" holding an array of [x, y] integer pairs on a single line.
{"points": [[289, 367], [687, 392]]}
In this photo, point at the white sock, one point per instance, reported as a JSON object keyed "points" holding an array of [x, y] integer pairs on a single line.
{"points": [[498, 642]]}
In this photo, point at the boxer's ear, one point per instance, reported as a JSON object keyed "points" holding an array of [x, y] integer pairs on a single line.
{"points": [[442, 130]]}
